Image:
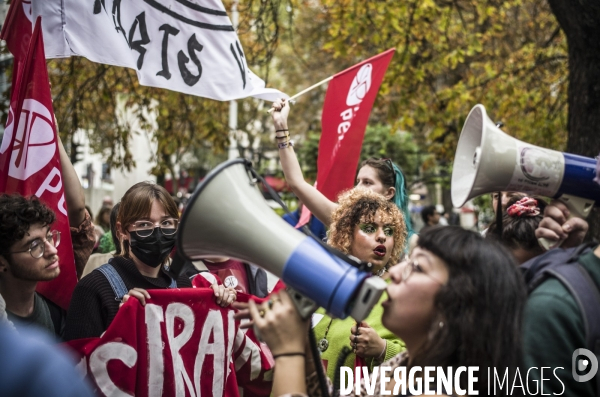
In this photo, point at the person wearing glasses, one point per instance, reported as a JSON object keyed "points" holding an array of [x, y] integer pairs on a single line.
{"points": [[147, 224], [382, 176], [28, 255], [458, 301]]}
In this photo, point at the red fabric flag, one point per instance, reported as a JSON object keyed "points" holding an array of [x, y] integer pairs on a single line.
{"points": [[17, 27], [30, 161], [348, 102], [181, 343]]}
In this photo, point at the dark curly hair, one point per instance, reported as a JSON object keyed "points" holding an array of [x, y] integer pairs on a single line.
{"points": [[481, 305], [361, 205], [17, 214]]}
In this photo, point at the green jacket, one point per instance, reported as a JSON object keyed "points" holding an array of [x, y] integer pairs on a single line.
{"points": [[339, 333], [553, 330]]}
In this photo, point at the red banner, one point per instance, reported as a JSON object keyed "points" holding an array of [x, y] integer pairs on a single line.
{"points": [[180, 344], [17, 27], [30, 161], [348, 102]]}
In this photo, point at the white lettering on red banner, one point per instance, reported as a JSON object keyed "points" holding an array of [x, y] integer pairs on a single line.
{"points": [[190, 345]]}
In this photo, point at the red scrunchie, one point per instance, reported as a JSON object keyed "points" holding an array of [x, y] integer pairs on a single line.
{"points": [[524, 207]]}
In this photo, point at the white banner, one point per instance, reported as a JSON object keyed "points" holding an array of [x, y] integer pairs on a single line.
{"points": [[182, 45]]}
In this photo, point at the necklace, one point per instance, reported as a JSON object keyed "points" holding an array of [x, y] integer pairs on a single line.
{"points": [[324, 343]]}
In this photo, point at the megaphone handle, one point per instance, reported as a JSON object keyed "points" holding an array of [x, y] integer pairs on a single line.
{"points": [[578, 207], [305, 306]]}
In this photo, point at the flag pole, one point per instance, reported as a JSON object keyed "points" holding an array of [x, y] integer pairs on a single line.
{"points": [[312, 87], [304, 91]]}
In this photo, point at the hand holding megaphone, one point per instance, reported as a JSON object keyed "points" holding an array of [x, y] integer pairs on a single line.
{"points": [[560, 227], [488, 160]]}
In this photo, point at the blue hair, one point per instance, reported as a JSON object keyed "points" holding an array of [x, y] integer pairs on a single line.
{"points": [[401, 199]]}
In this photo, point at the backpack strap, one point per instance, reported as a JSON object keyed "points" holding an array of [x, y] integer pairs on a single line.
{"points": [[115, 280], [581, 286], [585, 292]]}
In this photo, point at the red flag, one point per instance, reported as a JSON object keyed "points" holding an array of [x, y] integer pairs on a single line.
{"points": [[348, 102], [17, 27], [30, 161]]}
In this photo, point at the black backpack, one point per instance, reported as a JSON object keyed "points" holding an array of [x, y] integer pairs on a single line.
{"points": [[563, 264]]}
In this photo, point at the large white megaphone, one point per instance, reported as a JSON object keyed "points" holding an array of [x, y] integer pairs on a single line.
{"points": [[488, 160], [228, 216]]}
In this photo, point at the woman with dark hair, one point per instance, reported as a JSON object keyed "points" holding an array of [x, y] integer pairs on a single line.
{"points": [[457, 302], [103, 218], [519, 222], [146, 226], [379, 175]]}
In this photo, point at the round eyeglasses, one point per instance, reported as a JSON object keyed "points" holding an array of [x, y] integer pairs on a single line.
{"points": [[168, 227], [410, 266], [37, 248]]}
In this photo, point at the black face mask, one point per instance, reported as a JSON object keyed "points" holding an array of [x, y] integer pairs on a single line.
{"points": [[154, 249]]}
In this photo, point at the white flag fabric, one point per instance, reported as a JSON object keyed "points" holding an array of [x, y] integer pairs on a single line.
{"points": [[182, 45]]}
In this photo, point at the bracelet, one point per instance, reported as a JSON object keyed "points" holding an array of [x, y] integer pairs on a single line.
{"points": [[382, 354], [282, 130], [285, 144], [289, 354], [282, 136]]}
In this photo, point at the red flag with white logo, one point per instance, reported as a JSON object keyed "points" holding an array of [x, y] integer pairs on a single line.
{"points": [[348, 102], [30, 160]]}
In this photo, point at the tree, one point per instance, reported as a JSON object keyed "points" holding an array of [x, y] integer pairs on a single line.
{"points": [[379, 142], [579, 20]]}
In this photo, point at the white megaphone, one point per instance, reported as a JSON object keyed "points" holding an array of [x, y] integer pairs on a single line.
{"points": [[228, 216], [488, 160]]}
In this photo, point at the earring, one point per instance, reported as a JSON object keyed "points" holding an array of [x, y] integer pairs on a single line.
{"points": [[441, 324]]}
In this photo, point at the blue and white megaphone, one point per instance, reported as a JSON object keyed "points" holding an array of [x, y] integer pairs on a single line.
{"points": [[228, 216], [488, 160]]}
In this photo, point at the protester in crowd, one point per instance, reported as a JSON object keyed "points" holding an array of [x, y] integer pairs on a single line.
{"points": [[430, 216], [443, 215], [147, 223], [519, 223], [103, 218], [505, 198], [554, 325], [371, 228], [316, 226], [28, 255], [102, 221], [457, 302], [380, 175], [28, 252], [98, 259], [107, 202], [101, 226], [32, 367]]}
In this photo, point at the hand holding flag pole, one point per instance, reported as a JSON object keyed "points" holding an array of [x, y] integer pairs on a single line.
{"points": [[304, 91]]}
